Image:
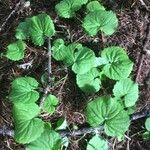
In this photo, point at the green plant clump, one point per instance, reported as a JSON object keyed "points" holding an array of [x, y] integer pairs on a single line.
{"points": [[91, 70]]}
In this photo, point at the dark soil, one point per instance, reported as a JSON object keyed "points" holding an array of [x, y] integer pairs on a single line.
{"points": [[132, 35]]}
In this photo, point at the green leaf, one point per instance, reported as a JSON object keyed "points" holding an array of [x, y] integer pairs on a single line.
{"points": [[97, 143], [22, 31], [49, 140], [89, 82], [94, 6], [67, 8], [147, 124], [146, 135], [41, 26], [59, 50], [27, 127], [84, 60], [109, 112], [50, 103], [119, 66], [101, 20], [23, 90], [61, 124], [100, 61], [15, 51], [126, 90]]}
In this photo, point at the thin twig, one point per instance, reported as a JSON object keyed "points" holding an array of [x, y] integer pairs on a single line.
{"points": [[87, 130], [22, 4], [62, 86], [144, 5]]}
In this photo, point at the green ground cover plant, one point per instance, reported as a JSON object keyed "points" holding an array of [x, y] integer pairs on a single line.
{"points": [[91, 70]]}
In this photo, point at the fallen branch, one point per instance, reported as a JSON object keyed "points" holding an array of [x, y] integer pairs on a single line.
{"points": [[88, 130]]}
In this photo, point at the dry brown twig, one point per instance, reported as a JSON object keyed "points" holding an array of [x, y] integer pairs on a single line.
{"points": [[19, 6]]}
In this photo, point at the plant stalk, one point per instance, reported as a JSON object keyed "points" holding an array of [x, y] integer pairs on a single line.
{"points": [[49, 70]]}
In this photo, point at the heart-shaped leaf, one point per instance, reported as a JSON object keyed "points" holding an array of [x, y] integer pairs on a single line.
{"points": [[27, 127], [23, 90], [41, 26], [15, 51], [84, 60], [119, 66], [127, 90], [110, 113], [49, 140], [50, 103], [89, 82], [67, 8], [100, 20]]}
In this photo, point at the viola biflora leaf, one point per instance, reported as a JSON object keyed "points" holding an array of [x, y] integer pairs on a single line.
{"points": [[22, 31], [84, 60], [100, 20], [126, 90], [15, 51], [27, 127], [94, 6], [49, 140], [23, 90], [97, 143], [67, 8], [89, 82], [58, 50], [65, 53], [119, 65], [50, 103], [41, 26], [110, 113], [147, 124]]}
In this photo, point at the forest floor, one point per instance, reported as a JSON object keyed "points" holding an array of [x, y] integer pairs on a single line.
{"points": [[132, 34]]}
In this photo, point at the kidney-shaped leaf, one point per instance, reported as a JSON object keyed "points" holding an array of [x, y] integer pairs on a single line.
{"points": [[22, 31], [50, 103], [89, 82], [49, 140], [127, 90], [15, 51], [84, 60], [23, 90], [97, 143], [41, 26], [119, 66], [67, 8], [27, 127], [108, 111], [105, 21], [58, 50]]}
